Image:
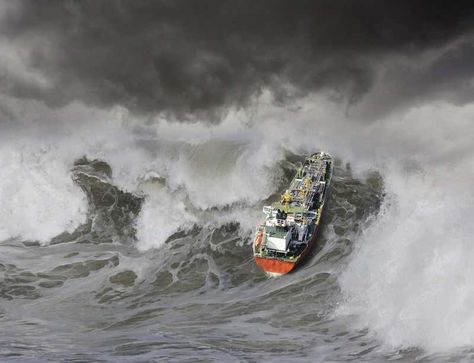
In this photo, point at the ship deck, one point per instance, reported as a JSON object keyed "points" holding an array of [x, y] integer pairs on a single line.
{"points": [[289, 208]]}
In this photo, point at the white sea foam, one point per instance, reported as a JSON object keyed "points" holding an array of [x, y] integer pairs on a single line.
{"points": [[37, 195], [163, 213], [411, 277]]}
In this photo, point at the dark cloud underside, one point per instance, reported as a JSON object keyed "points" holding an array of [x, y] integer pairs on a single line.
{"points": [[197, 56]]}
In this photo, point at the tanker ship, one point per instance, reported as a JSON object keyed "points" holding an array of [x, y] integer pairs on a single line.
{"points": [[288, 232]]}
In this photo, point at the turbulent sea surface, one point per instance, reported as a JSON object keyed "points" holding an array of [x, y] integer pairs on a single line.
{"points": [[90, 295], [120, 245]]}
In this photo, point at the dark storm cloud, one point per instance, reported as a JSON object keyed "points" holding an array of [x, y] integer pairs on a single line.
{"points": [[198, 56]]}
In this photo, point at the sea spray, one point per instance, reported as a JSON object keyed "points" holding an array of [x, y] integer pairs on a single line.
{"points": [[38, 198], [410, 277]]}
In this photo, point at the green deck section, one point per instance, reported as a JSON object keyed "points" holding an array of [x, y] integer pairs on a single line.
{"points": [[274, 232], [289, 208], [296, 184], [280, 256]]}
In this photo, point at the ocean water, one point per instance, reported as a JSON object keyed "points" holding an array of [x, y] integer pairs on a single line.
{"points": [[129, 243]]}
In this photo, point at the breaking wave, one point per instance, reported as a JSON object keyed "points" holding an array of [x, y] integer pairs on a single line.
{"points": [[38, 197], [410, 279]]}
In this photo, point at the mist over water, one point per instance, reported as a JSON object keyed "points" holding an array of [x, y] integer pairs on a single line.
{"points": [[140, 245]]}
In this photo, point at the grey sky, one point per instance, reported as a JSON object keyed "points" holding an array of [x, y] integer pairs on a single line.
{"points": [[195, 57]]}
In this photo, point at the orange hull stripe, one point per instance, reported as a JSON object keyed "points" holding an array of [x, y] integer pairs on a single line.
{"points": [[274, 265]]}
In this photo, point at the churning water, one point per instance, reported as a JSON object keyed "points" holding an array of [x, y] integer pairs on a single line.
{"points": [[134, 244]]}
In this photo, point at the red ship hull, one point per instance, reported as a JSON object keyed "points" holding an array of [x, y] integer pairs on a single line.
{"points": [[277, 267], [274, 266]]}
